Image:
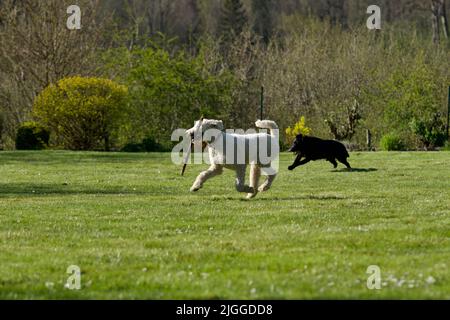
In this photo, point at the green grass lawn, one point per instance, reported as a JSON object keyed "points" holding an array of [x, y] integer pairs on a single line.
{"points": [[131, 225]]}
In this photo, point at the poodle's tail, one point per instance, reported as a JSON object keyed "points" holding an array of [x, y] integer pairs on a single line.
{"points": [[268, 124]]}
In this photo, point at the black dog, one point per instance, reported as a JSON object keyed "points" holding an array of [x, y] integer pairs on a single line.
{"points": [[312, 148]]}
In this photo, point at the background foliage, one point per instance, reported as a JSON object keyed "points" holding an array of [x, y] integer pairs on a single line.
{"points": [[181, 59]]}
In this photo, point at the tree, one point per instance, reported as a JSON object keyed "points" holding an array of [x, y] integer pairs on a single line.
{"points": [[337, 12], [345, 128], [232, 20], [142, 19], [263, 18], [37, 49], [169, 92]]}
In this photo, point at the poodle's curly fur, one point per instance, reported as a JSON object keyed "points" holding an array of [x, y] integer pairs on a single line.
{"points": [[240, 158]]}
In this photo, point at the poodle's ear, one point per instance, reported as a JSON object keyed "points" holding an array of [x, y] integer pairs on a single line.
{"points": [[217, 124]]}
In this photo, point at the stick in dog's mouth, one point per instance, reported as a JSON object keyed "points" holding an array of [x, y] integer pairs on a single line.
{"points": [[186, 159], [188, 154]]}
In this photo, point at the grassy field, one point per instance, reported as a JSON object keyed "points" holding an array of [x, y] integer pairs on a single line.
{"points": [[131, 225]]}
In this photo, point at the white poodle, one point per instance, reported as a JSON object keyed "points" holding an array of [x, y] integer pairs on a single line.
{"points": [[236, 151]]}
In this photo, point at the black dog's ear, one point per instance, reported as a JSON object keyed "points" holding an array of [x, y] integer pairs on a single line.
{"points": [[300, 137]]}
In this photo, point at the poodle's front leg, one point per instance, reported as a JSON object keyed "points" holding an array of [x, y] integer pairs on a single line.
{"points": [[213, 171], [255, 173]]}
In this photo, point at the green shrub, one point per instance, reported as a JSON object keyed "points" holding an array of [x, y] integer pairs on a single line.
{"points": [[132, 147], [150, 145], [168, 91], [431, 132], [414, 103], [446, 147], [147, 145], [392, 142], [32, 136], [82, 112]]}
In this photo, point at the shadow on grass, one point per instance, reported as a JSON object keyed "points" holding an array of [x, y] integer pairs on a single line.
{"points": [[356, 170], [69, 157], [299, 197], [24, 189]]}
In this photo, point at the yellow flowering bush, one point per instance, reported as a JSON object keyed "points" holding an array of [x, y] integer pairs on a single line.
{"points": [[299, 128], [82, 112]]}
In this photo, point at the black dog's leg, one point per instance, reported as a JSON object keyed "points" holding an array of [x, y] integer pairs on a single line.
{"points": [[333, 162], [297, 163], [344, 161]]}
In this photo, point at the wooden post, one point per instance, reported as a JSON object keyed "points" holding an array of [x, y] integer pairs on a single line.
{"points": [[369, 140], [448, 115], [261, 106], [444, 20]]}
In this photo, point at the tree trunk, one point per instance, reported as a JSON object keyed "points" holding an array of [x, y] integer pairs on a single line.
{"points": [[444, 19], [435, 8], [107, 144], [439, 16]]}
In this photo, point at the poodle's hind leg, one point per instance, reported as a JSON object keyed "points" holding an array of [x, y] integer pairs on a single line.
{"points": [[267, 184], [240, 180], [255, 173], [214, 170]]}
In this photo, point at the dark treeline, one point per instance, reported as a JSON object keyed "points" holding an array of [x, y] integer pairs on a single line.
{"points": [[185, 19], [185, 58]]}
